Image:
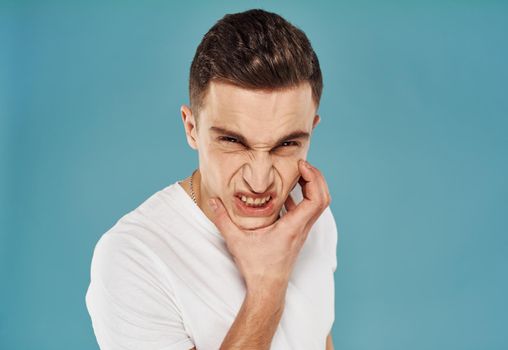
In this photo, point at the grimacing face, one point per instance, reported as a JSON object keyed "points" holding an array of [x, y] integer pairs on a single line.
{"points": [[249, 143]]}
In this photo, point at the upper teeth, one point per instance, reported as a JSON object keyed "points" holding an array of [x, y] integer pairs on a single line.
{"points": [[256, 201]]}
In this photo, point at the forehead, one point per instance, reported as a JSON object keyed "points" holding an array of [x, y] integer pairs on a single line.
{"points": [[258, 114]]}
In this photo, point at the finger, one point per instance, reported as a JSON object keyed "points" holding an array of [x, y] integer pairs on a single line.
{"points": [[309, 180], [322, 193], [315, 193], [221, 219], [289, 203]]}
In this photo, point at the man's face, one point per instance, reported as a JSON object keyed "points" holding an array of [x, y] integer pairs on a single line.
{"points": [[249, 144]]}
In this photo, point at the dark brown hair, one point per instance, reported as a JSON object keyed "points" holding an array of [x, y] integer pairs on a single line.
{"points": [[256, 50]]}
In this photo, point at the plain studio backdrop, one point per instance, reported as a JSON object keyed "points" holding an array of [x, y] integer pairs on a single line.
{"points": [[413, 143]]}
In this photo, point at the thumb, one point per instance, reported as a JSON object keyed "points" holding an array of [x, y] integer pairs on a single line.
{"points": [[221, 219]]}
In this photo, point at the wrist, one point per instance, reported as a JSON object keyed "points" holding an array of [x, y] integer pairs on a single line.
{"points": [[272, 295]]}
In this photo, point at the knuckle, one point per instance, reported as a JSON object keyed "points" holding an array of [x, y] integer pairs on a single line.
{"points": [[322, 204], [319, 174]]}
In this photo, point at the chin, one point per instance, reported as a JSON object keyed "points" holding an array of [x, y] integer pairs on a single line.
{"points": [[252, 223]]}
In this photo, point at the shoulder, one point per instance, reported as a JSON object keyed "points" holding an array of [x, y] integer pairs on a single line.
{"points": [[120, 259], [131, 299], [150, 224], [127, 275], [135, 239]]}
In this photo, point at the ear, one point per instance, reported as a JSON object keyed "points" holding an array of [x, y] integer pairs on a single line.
{"points": [[189, 124], [316, 121]]}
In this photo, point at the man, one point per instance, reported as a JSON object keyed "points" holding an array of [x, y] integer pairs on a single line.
{"points": [[241, 254]]}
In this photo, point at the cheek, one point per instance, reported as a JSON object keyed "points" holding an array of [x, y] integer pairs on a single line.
{"points": [[288, 171], [226, 162], [220, 169]]}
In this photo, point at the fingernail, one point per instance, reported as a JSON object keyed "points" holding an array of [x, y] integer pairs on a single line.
{"points": [[213, 204], [307, 164]]}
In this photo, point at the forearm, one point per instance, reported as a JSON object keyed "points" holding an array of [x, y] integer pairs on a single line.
{"points": [[256, 322]]}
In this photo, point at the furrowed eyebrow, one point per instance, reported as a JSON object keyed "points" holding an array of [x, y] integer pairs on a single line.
{"points": [[291, 136], [227, 132], [294, 135]]}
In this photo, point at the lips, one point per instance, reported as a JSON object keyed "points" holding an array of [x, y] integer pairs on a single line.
{"points": [[254, 205]]}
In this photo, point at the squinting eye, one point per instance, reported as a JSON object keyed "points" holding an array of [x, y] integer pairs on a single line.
{"points": [[228, 139], [289, 143]]}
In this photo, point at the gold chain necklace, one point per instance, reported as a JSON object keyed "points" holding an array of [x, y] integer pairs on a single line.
{"points": [[193, 196]]}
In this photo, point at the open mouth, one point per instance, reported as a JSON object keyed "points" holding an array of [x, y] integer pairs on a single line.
{"points": [[255, 202], [249, 206]]}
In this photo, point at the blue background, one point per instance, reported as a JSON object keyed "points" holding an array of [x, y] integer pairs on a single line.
{"points": [[413, 142]]}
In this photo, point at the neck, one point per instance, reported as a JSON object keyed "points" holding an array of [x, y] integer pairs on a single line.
{"points": [[200, 195]]}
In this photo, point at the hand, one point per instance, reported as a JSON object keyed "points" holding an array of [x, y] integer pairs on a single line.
{"points": [[266, 256]]}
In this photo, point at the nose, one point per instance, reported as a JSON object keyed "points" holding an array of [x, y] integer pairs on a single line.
{"points": [[259, 173]]}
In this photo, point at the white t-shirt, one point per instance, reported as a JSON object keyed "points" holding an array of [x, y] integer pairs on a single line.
{"points": [[162, 278]]}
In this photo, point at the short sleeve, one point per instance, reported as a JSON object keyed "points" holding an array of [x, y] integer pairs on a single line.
{"points": [[131, 304], [330, 229], [334, 241]]}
